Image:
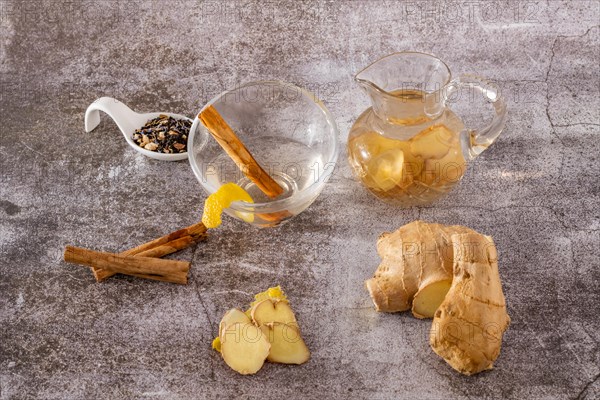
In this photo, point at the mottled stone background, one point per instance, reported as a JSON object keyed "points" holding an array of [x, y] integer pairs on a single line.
{"points": [[536, 191]]}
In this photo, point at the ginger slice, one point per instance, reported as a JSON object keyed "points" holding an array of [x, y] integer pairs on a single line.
{"points": [[287, 346], [244, 347], [434, 142], [468, 326], [231, 317], [387, 170], [270, 320], [271, 310], [275, 293]]}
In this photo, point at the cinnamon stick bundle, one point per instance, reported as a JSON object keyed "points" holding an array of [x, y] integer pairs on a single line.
{"points": [[160, 247], [145, 267], [195, 232]]}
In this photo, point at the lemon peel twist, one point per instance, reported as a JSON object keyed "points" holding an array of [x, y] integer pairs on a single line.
{"points": [[222, 199]]}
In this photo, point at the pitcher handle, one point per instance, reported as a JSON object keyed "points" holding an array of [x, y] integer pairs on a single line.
{"points": [[476, 140]]}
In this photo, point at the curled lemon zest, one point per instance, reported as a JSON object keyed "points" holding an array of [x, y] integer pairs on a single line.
{"points": [[222, 199]]}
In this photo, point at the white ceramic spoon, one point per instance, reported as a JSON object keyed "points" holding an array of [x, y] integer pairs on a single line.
{"points": [[128, 121]]}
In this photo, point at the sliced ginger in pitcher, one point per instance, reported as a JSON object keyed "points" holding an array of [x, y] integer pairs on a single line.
{"points": [[388, 170], [445, 171], [440, 148], [393, 168], [434, 142], [385, 163], [369, 145]]}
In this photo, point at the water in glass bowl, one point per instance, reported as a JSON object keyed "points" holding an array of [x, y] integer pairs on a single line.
{"points": [[294, 165]]}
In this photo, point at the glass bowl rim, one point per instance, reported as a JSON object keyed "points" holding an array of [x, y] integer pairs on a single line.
{"points": [[277, 204]]}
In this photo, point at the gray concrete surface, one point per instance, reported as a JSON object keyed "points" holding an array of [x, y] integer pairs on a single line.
{"points": [[536, 191]]}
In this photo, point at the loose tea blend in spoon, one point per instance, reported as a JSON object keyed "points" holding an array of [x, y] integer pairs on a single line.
{"points": [[163, 134]]}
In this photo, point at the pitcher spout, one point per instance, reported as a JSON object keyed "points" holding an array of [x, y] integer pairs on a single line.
{"points": [[405, 87]]}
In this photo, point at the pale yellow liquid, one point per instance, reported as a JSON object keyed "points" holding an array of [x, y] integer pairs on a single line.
{"points": [[408, 172]]}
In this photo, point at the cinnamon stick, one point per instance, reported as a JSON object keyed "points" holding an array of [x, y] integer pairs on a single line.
{"points": [[275, 217], [196, 231], [160, 247], [147, 267], [234, 147], [167, 248]]}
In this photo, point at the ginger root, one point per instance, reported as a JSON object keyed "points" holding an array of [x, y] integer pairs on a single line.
{"points": [[468, 326], [449, 273], [416, 268], [267, 330]]}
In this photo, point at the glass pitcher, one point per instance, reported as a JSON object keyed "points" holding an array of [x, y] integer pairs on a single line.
{"points": [[409, 148]]}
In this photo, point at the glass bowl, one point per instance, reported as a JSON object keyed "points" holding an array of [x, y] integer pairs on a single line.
{"points": [[291, 135]]}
